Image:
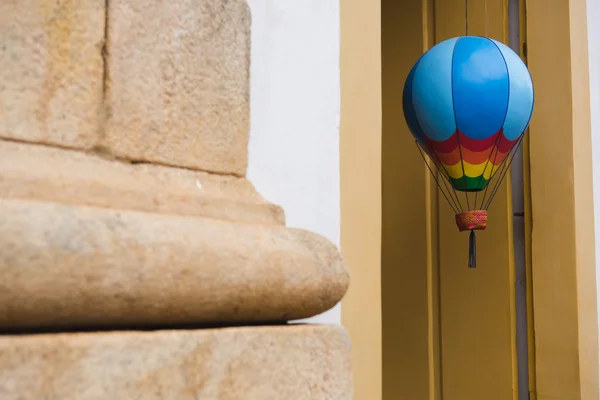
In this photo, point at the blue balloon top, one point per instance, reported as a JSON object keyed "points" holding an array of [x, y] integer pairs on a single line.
{"points": [[470, 84]]}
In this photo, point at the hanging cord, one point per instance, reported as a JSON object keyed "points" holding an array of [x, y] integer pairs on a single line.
{"points": [[498, 176], [445, 177], [492, 174], [486, 18], [466, 17], [452, 204], [447, 181], [494, 148], [505, 168]]}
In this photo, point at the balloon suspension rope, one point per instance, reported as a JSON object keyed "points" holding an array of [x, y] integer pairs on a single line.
{"points": [[466, 17]]}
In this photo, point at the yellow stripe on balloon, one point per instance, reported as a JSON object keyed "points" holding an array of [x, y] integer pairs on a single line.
{"points": [[472, 171]]}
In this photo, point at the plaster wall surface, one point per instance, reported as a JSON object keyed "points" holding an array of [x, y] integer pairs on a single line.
{"points": [[295, 113]]}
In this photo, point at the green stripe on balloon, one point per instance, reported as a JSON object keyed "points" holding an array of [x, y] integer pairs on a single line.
{"points": [[469, 184]]}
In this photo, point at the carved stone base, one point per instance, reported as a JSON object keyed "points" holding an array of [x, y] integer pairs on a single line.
{"points": [[261, 363], [74, 266], [118, 255]]}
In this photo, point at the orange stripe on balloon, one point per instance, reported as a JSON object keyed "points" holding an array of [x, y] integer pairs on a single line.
{"points": [[486, 167], [497, 157], [449, 158], [473, 157]]}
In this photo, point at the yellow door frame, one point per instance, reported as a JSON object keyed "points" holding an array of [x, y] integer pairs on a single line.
{"points": [[560, 250], [360, 161], [565, 316]]}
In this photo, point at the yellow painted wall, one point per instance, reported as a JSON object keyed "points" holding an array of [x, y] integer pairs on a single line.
{"points": [[360, 141], [562, 243], [406, 210]]}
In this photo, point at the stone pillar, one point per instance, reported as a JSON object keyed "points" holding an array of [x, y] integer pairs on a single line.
{"points": [[136, 261]]}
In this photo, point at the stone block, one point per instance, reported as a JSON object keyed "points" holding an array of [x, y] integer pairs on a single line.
{"points": [[51, 174], [178, 83], [259, 363], [66, 266], [51, 77]]}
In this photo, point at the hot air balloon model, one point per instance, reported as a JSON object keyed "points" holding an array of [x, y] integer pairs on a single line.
{"points": [[467, 102]]}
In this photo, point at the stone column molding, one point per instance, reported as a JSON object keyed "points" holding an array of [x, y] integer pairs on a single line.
{"points": [[124, 206]]}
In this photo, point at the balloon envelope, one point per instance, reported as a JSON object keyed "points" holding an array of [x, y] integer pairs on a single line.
{"points": [[467, 101]]}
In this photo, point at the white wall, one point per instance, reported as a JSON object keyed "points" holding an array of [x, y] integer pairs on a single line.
{"points": [[295, 110], [594, 59]]}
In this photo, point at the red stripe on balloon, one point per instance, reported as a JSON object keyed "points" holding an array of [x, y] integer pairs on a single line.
{"points": [[504, 145], [494, 157], [475, 145]]}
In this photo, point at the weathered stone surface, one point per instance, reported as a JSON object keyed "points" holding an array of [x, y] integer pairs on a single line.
{"points": [[178, 82], [52, 68], [72, 266], [51, 174], [266, 363]]}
